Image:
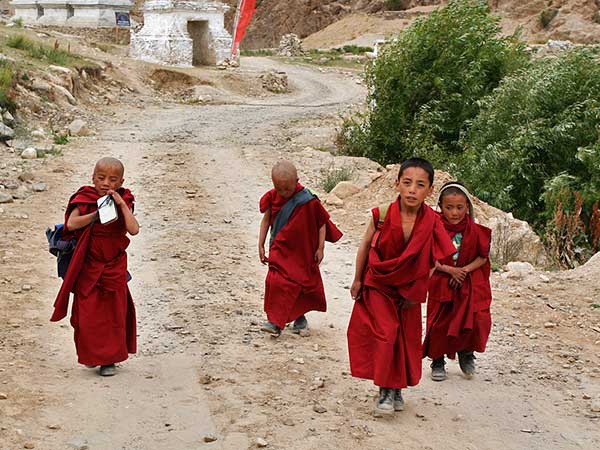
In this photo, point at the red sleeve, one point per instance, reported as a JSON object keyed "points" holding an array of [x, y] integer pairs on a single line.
{"points": [[266, 201], [332, 233], [376, 214], [484, 237], [321, 214], [442, 243]]}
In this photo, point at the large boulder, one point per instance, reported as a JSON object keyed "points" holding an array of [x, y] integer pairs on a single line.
{"points": [[345, 189], [6, 133], [290, 45]]}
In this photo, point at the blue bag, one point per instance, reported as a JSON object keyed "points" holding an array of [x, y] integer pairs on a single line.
{"points": [[62, 249]]}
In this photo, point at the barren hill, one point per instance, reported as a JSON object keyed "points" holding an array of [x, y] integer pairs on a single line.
{"points": [[576, 20]]}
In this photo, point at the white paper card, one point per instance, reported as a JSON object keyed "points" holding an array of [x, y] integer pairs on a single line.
{"points": [[107, 210]]}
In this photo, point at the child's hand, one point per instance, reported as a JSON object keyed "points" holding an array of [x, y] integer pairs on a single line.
{"points": [[261, 255], [117, 198], [454, 284], [319, 254], [355, 290]]}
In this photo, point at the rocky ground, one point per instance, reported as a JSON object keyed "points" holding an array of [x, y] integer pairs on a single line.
{"points": [[205, 377]]}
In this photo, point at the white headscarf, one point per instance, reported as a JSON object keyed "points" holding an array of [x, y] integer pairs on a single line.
{"points": [[461, 188]]}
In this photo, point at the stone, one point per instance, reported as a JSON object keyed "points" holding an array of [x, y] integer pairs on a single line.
{"points": [[38, 134], [520, 267], [26, 176], [595, 406], [261, 443], [319, 409], [183, 34], [549, 325], [210, 438], [64, 92], [345, 189], [28, 445], [41, 86], [6, 133], [6, 198], [78, 128], [290, 45], [29, 153], [275, 81], [545, 279], [8, 118], [39, 187], [26, 287], [333, 200], [3, 396]]}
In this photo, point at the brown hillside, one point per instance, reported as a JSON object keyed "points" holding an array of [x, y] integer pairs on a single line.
{"points": [[576, 20]]}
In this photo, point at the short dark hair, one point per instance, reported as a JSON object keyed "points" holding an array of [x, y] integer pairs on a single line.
{"points": [[420, 163]]}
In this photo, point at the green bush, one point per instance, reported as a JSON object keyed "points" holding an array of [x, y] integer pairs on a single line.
{"points": [[332, 176], [547, 15], [7, 77], [535, 147], [426, 85], [19, 42]]}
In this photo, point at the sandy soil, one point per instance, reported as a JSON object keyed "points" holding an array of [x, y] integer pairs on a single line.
{"points": [[203, 367]]}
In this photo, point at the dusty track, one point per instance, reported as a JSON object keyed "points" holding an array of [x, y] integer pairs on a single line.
{"points": [[203, 367]]}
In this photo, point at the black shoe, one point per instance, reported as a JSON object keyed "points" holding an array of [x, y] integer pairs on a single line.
{"points": [[398, 400], [300, 324], [438, 369], [108, 370], [271, 328], [466, 361], [385, 403]]}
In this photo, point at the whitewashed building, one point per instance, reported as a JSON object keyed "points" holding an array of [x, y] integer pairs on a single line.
{"points": [[72, 13], [183, 33]]}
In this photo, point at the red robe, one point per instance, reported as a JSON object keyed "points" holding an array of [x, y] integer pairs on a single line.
{"points": [[384, 338], [459, 319], [103, 314], [294, 286]]}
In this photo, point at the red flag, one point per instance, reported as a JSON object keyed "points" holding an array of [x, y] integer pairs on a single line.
{"points": [[246, 11]]}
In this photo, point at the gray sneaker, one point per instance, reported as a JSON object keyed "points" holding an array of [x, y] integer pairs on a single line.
{"points": [[466, 361], [108, 370], [271, 328], [385, 403], [398, 400], [300, 325], [438, 369]]}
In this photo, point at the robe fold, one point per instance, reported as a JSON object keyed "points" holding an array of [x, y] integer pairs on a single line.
{"points": [[459, 319], [293, 285], [384, 333], [103, 313]]}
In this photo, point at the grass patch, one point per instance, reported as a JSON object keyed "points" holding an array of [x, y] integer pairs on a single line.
{"points": [[61, 139], [595, 305], [7, 77], [331, 177], [258, 52], [53, 55], [18, 22]]}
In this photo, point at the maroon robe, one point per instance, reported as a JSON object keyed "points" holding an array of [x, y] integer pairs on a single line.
{"points": [[103, 313], [294, 286], [384, 334], [459, 319]]}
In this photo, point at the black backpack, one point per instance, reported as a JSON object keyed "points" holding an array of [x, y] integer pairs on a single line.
{"points": [[62, 249]]}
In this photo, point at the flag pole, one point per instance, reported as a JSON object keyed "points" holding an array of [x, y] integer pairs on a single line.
{"points": [[235, 24]]}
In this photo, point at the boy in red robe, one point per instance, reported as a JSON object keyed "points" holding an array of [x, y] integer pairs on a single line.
{"points": [[103, 314], [458, 308], [393, 265], [299, 227]]}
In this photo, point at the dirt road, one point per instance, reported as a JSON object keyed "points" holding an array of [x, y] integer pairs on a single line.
{"points": [[203, 367]]}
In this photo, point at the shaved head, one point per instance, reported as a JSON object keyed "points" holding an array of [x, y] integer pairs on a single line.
{"points": [[110, 163], [284, 170]]}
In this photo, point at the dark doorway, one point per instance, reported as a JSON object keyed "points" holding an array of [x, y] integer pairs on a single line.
{"points": [[198, 31]]}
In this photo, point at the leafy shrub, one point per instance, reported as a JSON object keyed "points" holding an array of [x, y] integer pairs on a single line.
{"points": [[7, 79], [61, 139], [19, 42], [535, 147], [18, 22], [332, 176], [425, 86], [396, 5], [547, 15]]}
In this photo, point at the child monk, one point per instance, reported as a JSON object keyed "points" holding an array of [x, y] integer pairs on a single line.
{"points": [[299, 227], [458, 308], [103, 314], [393, 265]]}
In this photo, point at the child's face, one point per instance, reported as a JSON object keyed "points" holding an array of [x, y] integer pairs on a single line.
{"points": [[107, 178], [454, 207], [285, 186], [413, 186]]}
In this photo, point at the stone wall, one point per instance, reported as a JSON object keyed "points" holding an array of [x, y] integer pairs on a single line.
{"points": [[73, 13]]}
